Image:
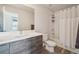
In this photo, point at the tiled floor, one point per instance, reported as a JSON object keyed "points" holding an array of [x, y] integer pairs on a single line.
{"points": [[44, 51], [57, 51]]}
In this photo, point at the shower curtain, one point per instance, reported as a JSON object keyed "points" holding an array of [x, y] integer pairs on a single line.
{"points": [[67, 22], [77, 39]]}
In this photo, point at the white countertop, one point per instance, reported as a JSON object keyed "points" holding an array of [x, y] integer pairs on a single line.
{"points": [[17, 35]]}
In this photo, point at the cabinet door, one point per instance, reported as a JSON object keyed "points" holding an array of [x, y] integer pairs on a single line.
{"points": [[33, 44], [28, 43], [4, 49], [36, 41], [17, 47], [28, 46], [36, 44]]}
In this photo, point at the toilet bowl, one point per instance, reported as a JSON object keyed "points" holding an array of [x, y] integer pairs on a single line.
{"points": [[49, 44]]}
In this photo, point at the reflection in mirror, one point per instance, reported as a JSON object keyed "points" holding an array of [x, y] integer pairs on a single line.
{"points": [[16, 17], [10, 21]]}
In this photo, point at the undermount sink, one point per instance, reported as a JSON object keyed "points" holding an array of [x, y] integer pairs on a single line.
{"points": [[19, 36]]}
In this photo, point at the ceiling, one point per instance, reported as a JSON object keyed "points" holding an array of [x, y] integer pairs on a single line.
{"points": [[56, 7], [20, 6], [52, 7]]}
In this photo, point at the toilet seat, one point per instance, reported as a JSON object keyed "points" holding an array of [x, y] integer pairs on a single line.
{"points": [[50, 43]]}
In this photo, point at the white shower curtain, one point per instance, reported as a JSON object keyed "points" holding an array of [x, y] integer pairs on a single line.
{"points": [[66, 23]]}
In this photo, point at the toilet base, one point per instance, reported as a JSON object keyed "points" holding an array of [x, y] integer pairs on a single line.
{"points": [[50, 49]]}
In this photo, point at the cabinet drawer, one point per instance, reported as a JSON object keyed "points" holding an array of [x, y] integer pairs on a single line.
{"points": [[36, 41], [36, 38], [4, 49], [39, 37]]}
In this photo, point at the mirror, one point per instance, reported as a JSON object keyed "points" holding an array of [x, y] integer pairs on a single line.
{"points": [[14, 17], [10, 22]]}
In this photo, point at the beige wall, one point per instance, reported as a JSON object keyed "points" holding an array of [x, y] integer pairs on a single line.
{"points": [[42, 18], [26, 17]]}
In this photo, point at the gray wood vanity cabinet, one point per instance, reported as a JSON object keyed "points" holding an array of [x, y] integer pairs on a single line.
{"points": [[4, 49], [31, 45]]}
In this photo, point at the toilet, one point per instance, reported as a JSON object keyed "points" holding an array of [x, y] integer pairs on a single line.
{"points": [[48, 44]]}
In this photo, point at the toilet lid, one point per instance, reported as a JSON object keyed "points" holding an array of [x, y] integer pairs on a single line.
{"points": [[51, 43]]}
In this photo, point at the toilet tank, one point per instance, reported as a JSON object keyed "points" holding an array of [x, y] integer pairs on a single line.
{"points": [[45, 37]]}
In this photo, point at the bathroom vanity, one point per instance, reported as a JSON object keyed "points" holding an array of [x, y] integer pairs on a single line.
{"points": [[31, 44]]}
